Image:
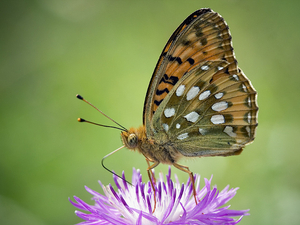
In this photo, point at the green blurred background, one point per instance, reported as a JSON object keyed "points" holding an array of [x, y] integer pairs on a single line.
{"points": [[106, 50]]}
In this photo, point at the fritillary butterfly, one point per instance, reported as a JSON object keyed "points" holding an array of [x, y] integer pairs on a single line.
{"points": [[199, 102]]}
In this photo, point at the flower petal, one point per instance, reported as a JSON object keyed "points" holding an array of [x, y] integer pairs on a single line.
{"points": [[174, 203]]}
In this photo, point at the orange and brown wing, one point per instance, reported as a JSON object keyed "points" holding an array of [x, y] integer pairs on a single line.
{"points": [[210, 111], [202, 36]]}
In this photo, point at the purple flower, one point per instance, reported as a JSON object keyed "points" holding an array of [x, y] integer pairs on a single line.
{"points": [[175, 203]]}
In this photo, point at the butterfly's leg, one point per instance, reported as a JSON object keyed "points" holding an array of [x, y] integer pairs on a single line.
{"points": [[187, 170], [149, 171], [153, 176]]}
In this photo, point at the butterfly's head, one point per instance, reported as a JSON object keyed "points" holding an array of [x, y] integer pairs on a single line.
{"points": [[130, 140], [132, 137]]}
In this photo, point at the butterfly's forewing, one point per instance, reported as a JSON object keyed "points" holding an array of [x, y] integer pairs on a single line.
{"points": [[198, 99], [201, 37]]}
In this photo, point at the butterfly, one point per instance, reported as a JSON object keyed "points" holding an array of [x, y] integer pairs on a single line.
{"points": [[199, 102]]}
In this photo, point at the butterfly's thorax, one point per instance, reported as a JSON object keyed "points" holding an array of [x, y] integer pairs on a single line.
{"points": [[162, 152]]}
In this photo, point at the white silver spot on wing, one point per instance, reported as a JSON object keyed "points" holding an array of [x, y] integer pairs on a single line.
{"points": [[235, 77], [219, 95], [169, 112], [192, 117], [204, 95], [204, 67], [202, 131], [249, 101], [249, 117], [217, 119], [219, 106], [220, 67], [165, 126], [192, 93], [248, 130], [182, 136], [229, 130], [244, 87], [180, 90], [177, 125]]}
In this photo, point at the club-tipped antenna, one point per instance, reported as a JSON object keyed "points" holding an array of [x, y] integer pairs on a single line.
{"points": [[111, 170], [101, 125], [81, 98]]}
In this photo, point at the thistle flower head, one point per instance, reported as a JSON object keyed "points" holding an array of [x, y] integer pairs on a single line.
{"points": [[175, 203]]}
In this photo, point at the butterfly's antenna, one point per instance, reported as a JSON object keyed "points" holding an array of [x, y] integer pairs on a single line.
{"points": [[82, 120], [109, 169], [101, 125]]}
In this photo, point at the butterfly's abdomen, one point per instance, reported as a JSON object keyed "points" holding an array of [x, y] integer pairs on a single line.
{"points": [[165, 154], [153, 151]]}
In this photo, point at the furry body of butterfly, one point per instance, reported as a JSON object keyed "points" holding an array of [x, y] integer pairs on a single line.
{"points": [[136, 139], [164, 152]]}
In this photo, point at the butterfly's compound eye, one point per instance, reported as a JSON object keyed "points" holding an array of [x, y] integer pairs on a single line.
{"points": [[132, 140]]}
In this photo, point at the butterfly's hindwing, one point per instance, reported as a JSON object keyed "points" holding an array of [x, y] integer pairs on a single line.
{"points": [[202, 115]]}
